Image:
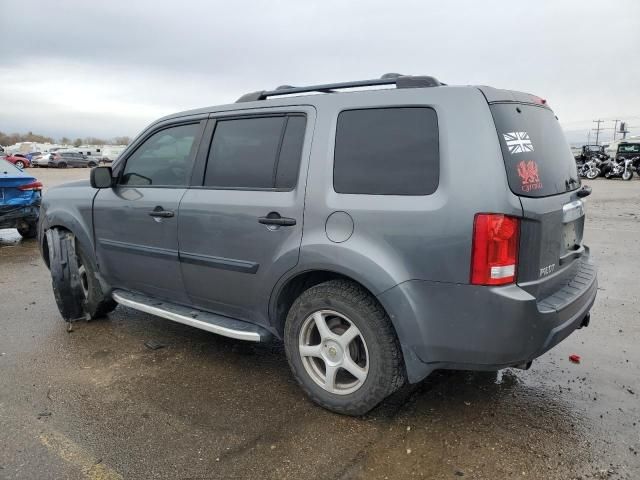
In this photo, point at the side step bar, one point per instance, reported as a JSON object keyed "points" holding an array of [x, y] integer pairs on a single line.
{"points": [[210, 322]]}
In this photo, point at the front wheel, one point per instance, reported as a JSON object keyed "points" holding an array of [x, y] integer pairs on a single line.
{"points": [[592, 173], [627, 174], [20, 164], [76, 286], [62, 165], [342, 348]]}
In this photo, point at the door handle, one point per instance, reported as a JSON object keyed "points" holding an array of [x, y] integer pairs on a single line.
{"points": [[160, 212], [274, 218]]}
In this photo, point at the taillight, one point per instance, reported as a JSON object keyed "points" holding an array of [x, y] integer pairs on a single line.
{"points": [[494, 254], [37, 186]]}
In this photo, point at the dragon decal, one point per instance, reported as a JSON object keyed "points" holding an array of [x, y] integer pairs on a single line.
{"points": [[528, 172]]}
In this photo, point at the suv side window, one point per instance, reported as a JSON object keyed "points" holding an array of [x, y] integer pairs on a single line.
{"points": [[256, 152], [387, 151], [165, 158]]}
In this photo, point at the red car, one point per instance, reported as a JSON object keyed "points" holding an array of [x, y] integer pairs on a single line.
{"points": [[18, 160]]}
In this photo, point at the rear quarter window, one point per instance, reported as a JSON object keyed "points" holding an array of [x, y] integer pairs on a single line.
{"points": [[387, 151], [537, 157]]}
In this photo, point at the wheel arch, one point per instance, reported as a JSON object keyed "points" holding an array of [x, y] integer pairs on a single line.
{"points": [[291, 287], [65, 220]]}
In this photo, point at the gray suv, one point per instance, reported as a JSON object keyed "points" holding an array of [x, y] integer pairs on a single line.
{"points": [[71, 159], [381, 234]]}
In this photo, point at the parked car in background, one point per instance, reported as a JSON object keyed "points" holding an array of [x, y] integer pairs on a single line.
{"points": [[43, 159], [628, 150], [18, 160], [20, 195], [588, 151], [72, 159]]}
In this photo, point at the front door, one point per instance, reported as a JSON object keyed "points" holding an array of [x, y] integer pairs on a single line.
{"points": [[136, 222], [241, 230]]}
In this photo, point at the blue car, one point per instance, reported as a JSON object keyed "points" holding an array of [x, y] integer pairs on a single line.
{"points": [[20, 195]]}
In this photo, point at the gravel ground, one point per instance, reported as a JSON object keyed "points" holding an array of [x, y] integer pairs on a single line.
{"points": [[97, 404]]}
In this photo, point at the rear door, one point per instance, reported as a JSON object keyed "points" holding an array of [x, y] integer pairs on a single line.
{"points": [[136, 221], [241, 228], [542, 171]]}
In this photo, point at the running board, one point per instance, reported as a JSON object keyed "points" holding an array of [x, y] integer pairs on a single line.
{"points": [[210, 322]]}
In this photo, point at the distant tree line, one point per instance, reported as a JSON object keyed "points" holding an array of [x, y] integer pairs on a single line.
{"points": [[11, 138]]}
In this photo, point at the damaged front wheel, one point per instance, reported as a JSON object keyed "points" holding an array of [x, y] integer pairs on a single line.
{"points": [[76, 286]]}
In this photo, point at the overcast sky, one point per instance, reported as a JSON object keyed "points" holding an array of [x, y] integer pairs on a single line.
{"points": [[80, 68]]}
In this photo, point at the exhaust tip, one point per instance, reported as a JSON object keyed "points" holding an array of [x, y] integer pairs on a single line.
{"points": [[585, 321]]}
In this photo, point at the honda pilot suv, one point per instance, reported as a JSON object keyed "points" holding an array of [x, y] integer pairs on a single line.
{"points": [[381, 234]]}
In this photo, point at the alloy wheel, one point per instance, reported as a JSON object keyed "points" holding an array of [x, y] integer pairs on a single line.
{"points": [[333, 352]]}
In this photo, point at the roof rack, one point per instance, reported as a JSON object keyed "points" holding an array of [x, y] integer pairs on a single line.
{"points": [[397, 79]]}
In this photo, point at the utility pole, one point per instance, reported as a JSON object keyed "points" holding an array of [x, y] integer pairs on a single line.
{"points": [[624, 129], [597, 129], [589, 138], [615, 127]]}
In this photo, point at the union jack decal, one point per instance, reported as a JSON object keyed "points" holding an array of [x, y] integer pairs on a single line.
{"points": [[518, 142]]}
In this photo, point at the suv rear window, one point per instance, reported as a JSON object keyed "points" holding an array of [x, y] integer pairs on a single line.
{"points": [[536, 154], [387, 151]]}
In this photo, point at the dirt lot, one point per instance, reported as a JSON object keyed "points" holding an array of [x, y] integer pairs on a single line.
{"points": [[97, 404]]}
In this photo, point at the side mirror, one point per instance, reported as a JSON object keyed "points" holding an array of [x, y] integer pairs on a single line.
{"points": [[101, 177]]}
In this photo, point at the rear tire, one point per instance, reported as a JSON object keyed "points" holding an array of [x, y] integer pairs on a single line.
{"points": [[20, 164], [62, 165], [76, 287], [323, 363], [92, 164], [30, 231]]}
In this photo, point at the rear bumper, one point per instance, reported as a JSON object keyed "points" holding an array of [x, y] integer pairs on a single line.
{"points": [[443, 325], [14, 216]]}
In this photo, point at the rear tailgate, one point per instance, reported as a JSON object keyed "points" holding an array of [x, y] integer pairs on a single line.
{"points": [[541, 171]]}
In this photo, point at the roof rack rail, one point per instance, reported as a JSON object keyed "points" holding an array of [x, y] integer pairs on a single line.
{"points": [[397, 79]]}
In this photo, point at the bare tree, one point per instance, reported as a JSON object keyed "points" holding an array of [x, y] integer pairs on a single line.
{"points": [[121, 140]]}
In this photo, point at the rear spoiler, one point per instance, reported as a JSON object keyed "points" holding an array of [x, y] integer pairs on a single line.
{"points": [[497, 95]]}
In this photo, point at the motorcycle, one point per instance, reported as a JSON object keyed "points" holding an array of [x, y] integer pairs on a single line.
{"points": [[635, 161], [589, 169], [620, 167]]}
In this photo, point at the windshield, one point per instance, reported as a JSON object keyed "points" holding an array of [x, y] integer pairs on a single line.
{"points": [[536, 155]]}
